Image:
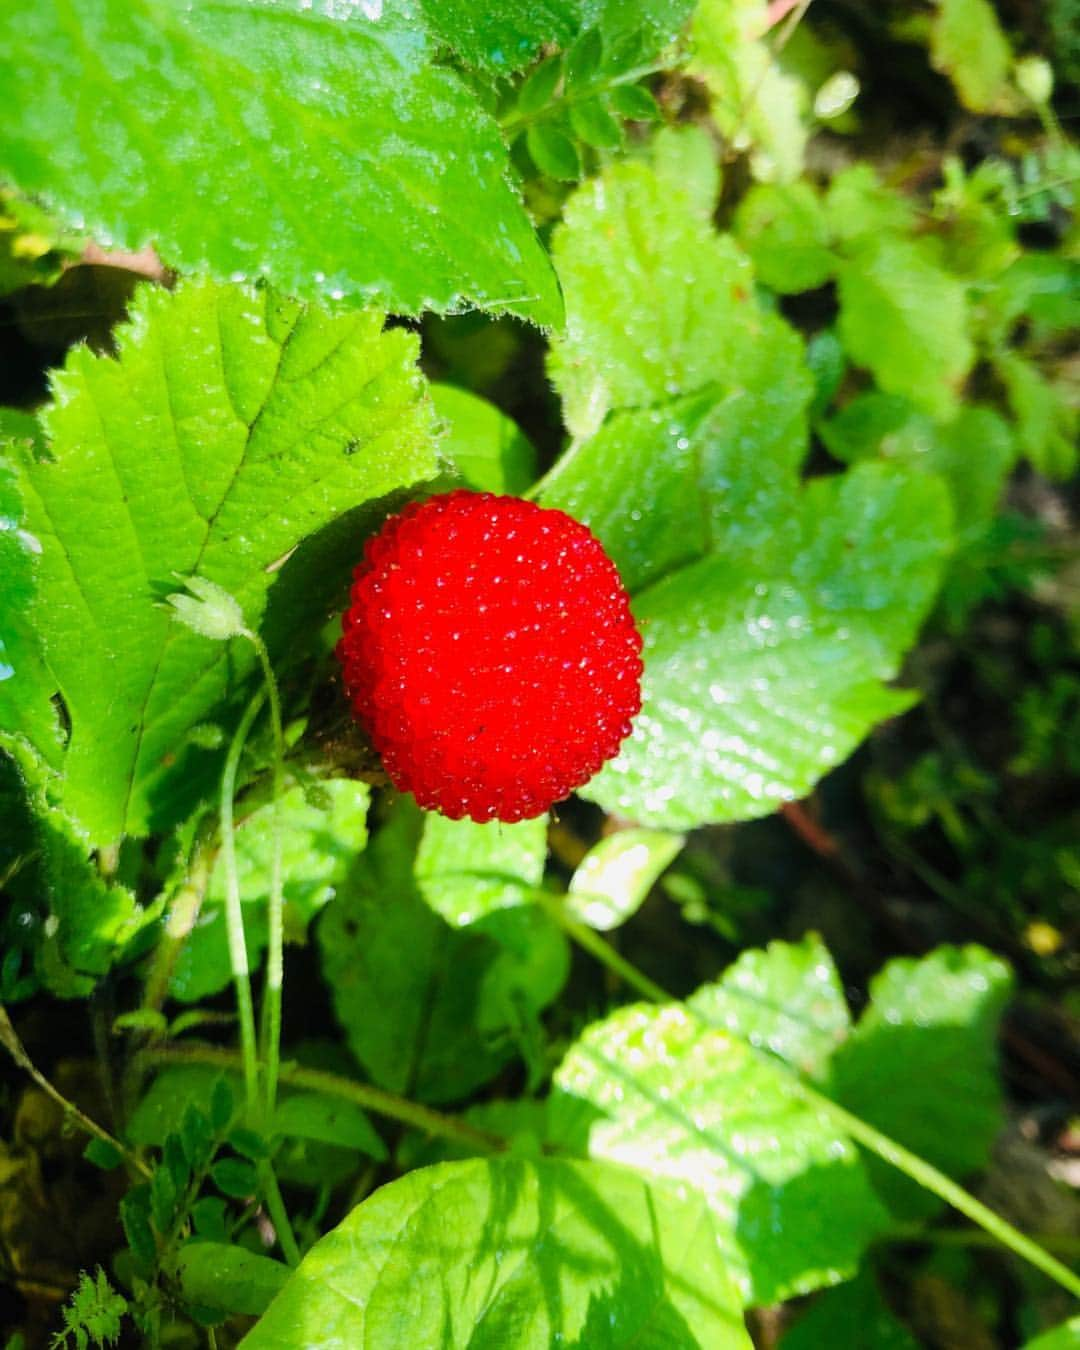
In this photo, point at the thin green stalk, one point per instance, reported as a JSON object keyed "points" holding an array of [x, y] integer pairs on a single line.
{"points": [[9, 1039], [234, 919], [279, 1215], [270, 1019], [183, 914], [362, 1094], [920, 1171]]}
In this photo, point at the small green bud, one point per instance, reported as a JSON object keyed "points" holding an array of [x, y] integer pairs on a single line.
{"points": [[208, 610]]}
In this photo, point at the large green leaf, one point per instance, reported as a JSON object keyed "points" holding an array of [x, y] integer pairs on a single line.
{"points": [[655, 1089], [490, 1254], [921, 1065], [232, 426], [762, 675], [786, 999], [906, 320], [657, 304], [318, 145], [771, 614], [318, 845], [429, 1009]]}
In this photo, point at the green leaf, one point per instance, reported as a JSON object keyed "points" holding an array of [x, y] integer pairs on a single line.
{"points": [[857, 204], [538, 90], [430, 1010], [466, 870], [219, 1275], [657, 304], [1046, 424], [177, 1100], [762, 671], [611, 882], [502, 36], [1064, 1337], [755, 104], [341, 160], [906, 320], [594, 125], [635, 103], [654, 1089], [786, 999], [103, 1154], [267, 419], [967, 44], [852, 1317], [234, 1177], [553, 152], [317, 849], [506, 1252], [487, 448], [91, 920], [328, 1120], [973, 453], [583, 59], [921, 1065], [784, 230]]}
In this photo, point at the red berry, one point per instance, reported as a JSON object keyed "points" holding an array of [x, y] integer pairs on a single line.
{"points": [[490, 652]]}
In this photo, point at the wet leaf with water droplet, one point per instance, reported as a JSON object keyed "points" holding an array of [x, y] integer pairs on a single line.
{"points": [[246, 400], [342, 160], [921, 1065], [786, 999], [506, 1252], [655, 1089]]}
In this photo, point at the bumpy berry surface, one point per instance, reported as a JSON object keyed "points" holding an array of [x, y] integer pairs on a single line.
{"points": [[490, 652]]}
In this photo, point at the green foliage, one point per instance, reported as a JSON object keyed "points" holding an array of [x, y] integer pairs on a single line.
{"points": [[94, 1315], [928, 1022], [613, 879], [817, 397], [429, 1008], [486, 448], [278, 111], [226, 382], [318, 845], [514, 1252], [657, 1090]]}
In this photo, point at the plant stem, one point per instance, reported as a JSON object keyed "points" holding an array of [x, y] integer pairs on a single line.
{"points": [[362, 1094], [279, 1215], [270, 1019], [10, 1040], [183, 914], [920, 1171], [234, 919]]}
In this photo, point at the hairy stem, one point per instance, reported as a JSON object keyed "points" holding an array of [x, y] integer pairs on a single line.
{"points": [[234, 919], [279, 1215], [270, 1019], [364, 1095]]}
